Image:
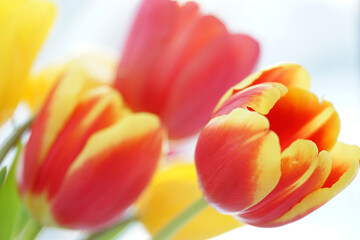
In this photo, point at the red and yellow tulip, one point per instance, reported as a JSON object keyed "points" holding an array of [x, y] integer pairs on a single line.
{"points": [[171, 191], [23, 27], [270, 154], [88, 158], [177, 63]]}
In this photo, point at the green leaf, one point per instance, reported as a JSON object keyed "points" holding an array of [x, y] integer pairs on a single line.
{"points": [[20, 223], [29, 231], [10, 204], [2, 176]]}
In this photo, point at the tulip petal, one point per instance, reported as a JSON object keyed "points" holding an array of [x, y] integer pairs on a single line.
{"points": [[177, 63], [343, 156], [117, 162], [56, 111], [345, 160], [303, 171], [97, 69], [224, 148], [292, 118], [23, 27], [175, 68], [39, 86], [97, 109], [289, 75], [170, 192], [157, 22], [220, 63], [260, 97]]}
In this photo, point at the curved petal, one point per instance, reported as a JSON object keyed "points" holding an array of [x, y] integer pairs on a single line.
{"points": [[237, 160], [23, 27], [56, 111], [76, 78], [300, 115], [343, 156], [170, 192], [117, 162], [302, 172], [203, 80], [156, 25], [288, 74], [96, 110], [345, 160], [260, 97]]}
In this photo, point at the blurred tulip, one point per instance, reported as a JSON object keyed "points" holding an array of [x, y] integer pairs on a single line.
{"points": [[270, 155], [171, 191], [97, 68], [88, 157], [177, 63], [23, 27]]}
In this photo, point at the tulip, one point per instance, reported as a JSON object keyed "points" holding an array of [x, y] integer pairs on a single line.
{"points": [[23, 27], [99, 69], [177, 63], [270, 154], [88, 157], [171, 191]]}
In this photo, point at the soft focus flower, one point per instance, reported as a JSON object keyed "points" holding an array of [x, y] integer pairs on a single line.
{"points": [[177, 63], [23, 27], [88, 157], [171, 191], [95, 67], [270, 155]]}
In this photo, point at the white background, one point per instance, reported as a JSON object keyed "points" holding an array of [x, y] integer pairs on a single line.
{"points": [[321, 35]]}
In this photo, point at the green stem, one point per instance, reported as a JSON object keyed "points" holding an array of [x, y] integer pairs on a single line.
{"points": [[169, 230], [112, 232], [30, 230], [14, 138]]}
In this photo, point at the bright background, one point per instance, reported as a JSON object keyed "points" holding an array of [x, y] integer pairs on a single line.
{"points": [[321, 35]]}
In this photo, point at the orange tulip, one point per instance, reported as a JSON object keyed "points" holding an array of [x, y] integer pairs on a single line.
{"points": [[88, 157], [270, 155], [177, 63]]}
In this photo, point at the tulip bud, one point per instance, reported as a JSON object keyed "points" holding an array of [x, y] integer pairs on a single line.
{"points": [[270, 155], [177, 63], [88, 158]]}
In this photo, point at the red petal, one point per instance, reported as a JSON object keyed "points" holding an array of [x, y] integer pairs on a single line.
{"points": [[97, 110], [237, 160], [109, 174], [260, 97], [177, 63], [302, 172]]}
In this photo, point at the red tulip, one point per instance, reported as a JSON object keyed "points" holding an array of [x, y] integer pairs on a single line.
{"points": [[88, 157], [270, 155], [177, 63]]}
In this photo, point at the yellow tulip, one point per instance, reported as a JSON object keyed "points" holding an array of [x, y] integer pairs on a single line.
{"points": [[97, 68], [23, 27], [173, 190]]}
